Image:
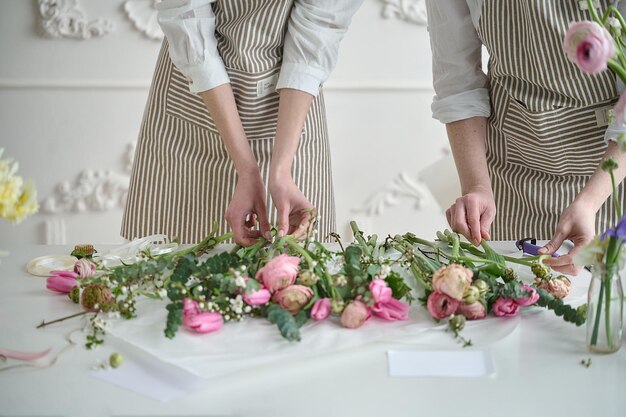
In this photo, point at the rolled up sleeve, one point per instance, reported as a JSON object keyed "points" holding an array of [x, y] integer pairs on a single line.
{"points": [[460, 84], [189, 26], [314, 32]]}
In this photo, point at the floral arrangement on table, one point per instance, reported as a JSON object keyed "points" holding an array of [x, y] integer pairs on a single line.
{"points": [[18, 198], [595, 46], [289, 282]]}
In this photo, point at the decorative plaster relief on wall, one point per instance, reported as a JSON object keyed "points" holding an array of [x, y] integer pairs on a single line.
{"points": [[143, 14], [413, 11], [66, 19], [93, 190], [402, 187]]}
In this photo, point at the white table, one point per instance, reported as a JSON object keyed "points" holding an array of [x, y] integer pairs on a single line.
{"points": [[538, 373]]}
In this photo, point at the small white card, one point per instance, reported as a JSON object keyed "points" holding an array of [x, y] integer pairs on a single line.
{"points": [[152, 378], [266, 86], [465, 364]]}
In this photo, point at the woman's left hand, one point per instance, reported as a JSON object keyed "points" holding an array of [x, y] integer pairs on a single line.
{"points": [[577, 223], [295, 211]]}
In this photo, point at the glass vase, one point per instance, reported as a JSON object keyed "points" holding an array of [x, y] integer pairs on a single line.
{"points": [[605, 303]]}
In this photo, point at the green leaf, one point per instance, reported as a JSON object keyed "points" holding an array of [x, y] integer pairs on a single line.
{"points": [[577, 316], [353, 260], [374, 269], [285, 322], [174, 319], [185, 267], [399, 289]]}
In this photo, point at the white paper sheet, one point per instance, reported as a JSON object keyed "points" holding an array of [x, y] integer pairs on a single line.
{"points": [[440, 363], [152, 378]]}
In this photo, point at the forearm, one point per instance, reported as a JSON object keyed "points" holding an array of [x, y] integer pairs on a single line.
{"points": [[220, 103], [292, 110], [599, 188], [467, 141]]}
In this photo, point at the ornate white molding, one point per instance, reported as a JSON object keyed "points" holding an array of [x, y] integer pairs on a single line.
{"points": [[66, 19], [412, 11], [143, 14], [93, 190], [402, 187]]}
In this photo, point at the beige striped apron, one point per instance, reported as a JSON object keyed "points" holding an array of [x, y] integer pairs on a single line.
{"points": [[183, 178], [545, 136]]}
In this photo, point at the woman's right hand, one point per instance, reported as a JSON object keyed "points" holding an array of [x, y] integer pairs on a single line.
{"points": [[472, 214], [247, 207]]}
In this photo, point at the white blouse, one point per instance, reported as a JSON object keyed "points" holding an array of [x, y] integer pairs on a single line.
{"points": [[459, 81], [314, 31]]}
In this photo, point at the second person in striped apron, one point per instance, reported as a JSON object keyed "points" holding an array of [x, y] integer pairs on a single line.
{"points": [[527, 137], [236, 105]]}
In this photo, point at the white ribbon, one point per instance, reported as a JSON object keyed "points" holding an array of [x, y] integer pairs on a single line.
{"points": [[127, 254]]}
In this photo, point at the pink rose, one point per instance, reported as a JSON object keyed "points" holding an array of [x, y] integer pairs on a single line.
{"points": [[381, 293], [200, 322], [321, 309], [505, 307], [589, 46], [440, 305], [258, 297], [452, 280], [530, 299], [354, 315], [620, 110], [391, 310], [62, 281], [293, 298], [85, 268], [558, 287], [474, 311], [280, 272]]}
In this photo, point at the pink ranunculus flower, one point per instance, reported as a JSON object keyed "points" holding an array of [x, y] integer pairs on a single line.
{"points": [[321, 309], [589, 46], [474, 311], [85, 268], [530, 299], [381, 293], [62, 281], [620, 109], [355, 314], [452, 280], [280, 272], [440, 305], [200, 322], [258, 297], [505, 307], [391, 310], [293, 298]]}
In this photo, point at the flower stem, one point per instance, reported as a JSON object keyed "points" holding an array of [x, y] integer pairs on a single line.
{"points": [[358, 235], [45, 323], [299, 249]]}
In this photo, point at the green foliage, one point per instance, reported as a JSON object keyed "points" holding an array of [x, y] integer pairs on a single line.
{"points": [[399, 289], [569, 314], [174, 318], [353, 260], [285, 322]]}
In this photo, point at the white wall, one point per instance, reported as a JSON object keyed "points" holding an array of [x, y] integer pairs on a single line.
{"points": [[69, 106]]}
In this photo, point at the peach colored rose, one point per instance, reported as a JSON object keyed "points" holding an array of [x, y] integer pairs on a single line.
{"points": [[474, 311], [452, 280], [354, 315], [293, 298]]}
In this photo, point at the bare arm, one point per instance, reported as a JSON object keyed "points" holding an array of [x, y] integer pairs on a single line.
{"points": [[472, 213]]}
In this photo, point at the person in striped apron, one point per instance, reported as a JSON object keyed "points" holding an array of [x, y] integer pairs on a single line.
{"points": [[528, 136], [236, 104]]}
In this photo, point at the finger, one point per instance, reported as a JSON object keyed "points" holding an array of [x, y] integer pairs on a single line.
{"points": [[472, 216], [264, 223], [449, 216], [283, 221], [554, 243], [240, 232], [460, 222], [250, 220], [566, 268], [485, 222]]}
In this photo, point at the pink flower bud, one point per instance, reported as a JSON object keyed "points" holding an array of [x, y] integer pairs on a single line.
{"points": [[354, 315], [200, 322], [293, 298], [505, 307], [321, 309], [61, 281], [452, 280], [280, 272], [530, 299], [440, 305], [381, 293], [391, 310], [474, 311], [258, 297], [85, 268]]}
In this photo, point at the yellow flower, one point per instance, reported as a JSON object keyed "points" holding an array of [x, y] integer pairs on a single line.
{"points": [[26, 204], [9, 192], [17, 199]]}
